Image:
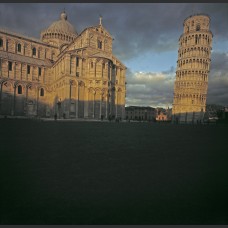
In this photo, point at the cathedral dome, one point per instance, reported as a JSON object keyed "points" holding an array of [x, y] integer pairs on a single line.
{"points": [[59, 32], [62, 26]]}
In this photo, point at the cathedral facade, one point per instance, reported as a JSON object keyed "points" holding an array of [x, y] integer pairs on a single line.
{"points": [[193, 66], [62, 74]]}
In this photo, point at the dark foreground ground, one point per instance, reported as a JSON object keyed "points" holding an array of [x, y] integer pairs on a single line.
{"points": [[112, 173]]}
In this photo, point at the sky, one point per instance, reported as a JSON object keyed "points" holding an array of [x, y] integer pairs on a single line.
{"points": [[145, 41]]}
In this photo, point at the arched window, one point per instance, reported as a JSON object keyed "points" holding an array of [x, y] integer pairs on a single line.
{"points": [[28, 69], [10, 66], [42, 92], [34, 51], [19, 48], [19, 89], [52, 55], [39, 71], [197, 27], [196, 39], [77, 61], [99, 44], [1, 42]]}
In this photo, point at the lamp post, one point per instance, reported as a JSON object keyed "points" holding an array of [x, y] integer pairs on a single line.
{"points": [[59, 108]]}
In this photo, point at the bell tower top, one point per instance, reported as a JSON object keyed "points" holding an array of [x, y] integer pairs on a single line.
{"points": [[100, 23]]}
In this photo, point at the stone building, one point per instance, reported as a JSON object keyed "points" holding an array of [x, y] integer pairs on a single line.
{"points": [[190, 88], [161, 117], [63, 73], [140, 113], [163, 114]]}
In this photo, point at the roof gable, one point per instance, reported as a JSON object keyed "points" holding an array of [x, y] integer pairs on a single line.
{"points": [[99, 29]]}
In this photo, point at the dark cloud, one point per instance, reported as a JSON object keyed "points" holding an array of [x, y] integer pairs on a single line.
{"points": [[218, 79], [150, 88], [156, 89], [172, 70], [137, 28]]}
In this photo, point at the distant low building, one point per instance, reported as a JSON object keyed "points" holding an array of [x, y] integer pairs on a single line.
{"points": [[161, 117], [212, 111], [140, 113], [163, 114], [222, 115]]}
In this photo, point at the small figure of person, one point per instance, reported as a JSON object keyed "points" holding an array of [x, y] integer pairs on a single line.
{"points": [[55, 116]]}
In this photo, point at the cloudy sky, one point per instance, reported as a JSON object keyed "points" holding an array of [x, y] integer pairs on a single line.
{"points": [[145, 40]]}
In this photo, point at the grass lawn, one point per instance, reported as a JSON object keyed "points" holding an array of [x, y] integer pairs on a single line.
{"points": [[112, 173]]}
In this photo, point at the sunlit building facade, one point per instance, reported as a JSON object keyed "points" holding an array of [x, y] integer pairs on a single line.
{"points": [[63, 74], [193, 65]]}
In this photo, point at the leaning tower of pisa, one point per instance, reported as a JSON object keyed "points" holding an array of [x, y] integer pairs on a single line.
{"points": [[190, 88]]}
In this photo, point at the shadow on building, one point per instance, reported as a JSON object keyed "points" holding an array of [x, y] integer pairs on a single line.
{"points": [[188, 118], [38, 107]]}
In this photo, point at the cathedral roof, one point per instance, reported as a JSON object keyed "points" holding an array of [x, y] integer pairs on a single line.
{"points": [[101, 55], [62, 26], [6, 31], [25, 59]]}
